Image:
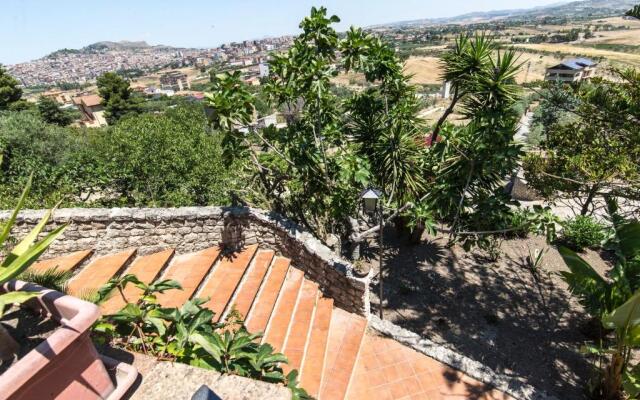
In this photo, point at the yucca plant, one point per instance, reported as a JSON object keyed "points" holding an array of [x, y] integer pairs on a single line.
{"points": [[634, 12], [16, 261]]}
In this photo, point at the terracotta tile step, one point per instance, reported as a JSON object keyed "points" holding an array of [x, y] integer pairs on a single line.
{"points": [[345, 336], [250, 287], [224, 280], [64, 263], [98, 272], [313, 362], [146, 268], [189, 270], [296, 340], [285, 306], [386, 369], [262, 308]]}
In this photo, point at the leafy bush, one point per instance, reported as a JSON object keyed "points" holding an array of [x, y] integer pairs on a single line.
{"points": [[168, 159], [582, 232], [188, 335], [616, 303]]}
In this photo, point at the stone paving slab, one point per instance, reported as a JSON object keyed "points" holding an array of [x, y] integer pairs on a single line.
{"points": [[165, 380]]}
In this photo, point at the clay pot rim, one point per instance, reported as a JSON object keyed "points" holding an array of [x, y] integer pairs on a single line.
{"points": [[75, 317]]}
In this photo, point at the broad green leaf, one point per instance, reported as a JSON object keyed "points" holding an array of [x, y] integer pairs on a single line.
{"points": [[629, 237], [104, 327], [15, 267], [579, 266], [14, 298], [209, 344], [627, 316], [31, 237], [6, 229]]}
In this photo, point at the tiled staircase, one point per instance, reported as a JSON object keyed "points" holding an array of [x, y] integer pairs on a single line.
{"points": [[335, 355]]}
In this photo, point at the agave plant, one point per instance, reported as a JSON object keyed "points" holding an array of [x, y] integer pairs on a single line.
{"points": [[17, 260]]}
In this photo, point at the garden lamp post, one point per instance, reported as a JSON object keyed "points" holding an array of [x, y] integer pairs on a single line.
{"points": [[372, 205]]}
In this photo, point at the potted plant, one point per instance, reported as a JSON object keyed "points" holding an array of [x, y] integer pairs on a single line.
{"points": [[416, 221], [65, 365]]}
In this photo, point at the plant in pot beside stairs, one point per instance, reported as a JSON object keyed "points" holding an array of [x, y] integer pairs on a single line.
{"points": [[61, 362]]}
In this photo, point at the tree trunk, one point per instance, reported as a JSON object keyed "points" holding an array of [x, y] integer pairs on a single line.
{"points": [[612, 379], [444, 116], [592, 192]]}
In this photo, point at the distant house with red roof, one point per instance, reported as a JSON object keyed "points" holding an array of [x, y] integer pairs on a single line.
{"points": [[92, 110]]}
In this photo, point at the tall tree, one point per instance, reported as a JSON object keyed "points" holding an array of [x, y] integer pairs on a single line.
{"points": [[51, 112], [595, 149], [634, 12], [314, 169], [116, 97], [10, 92]]}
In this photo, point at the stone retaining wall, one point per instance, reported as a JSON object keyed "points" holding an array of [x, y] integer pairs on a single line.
{"points": [[194, 228]]}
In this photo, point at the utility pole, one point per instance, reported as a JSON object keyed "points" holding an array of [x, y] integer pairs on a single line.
{"points": [[381, 255]]}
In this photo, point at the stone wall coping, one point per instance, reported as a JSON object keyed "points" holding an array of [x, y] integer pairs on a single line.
{"points": [[270, 220], [508, 384]]}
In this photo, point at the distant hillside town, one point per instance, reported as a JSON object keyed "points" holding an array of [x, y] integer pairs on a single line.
{"points": [[81, 66]]}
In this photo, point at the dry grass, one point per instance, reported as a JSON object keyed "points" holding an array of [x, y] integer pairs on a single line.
{"points": [[424, 70], [427, 70], [613, 57]]}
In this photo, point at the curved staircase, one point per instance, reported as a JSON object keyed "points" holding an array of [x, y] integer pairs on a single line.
{"points": [[335, 354]]}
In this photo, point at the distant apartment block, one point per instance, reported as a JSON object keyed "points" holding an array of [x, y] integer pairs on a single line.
{"points": [[174, 80], [91, 108], [263, 69], [573, 70]]}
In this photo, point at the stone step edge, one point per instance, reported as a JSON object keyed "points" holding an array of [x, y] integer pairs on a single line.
{"points": [[511, 386]]}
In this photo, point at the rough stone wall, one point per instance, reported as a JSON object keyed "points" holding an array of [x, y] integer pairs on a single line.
{"points": [[190, 229]]}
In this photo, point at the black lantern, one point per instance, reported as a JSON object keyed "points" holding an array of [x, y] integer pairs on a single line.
{"points": [[370, 198]]}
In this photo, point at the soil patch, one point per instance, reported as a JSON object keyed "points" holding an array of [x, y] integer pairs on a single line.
{"points": [[496, 313], [28, 328]]}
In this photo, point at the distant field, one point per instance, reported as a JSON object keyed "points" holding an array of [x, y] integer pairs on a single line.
{"points": [[425, 70], [613, 57], [617, 47]]}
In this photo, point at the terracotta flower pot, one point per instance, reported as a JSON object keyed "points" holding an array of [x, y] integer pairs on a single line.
{"points": [[66, 365]]}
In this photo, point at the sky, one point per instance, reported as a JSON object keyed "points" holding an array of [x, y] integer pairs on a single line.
{"points": [[30, 29]]}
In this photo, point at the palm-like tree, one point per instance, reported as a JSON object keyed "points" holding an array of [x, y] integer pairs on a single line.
{"points": [[481, 77], [634, 12]]}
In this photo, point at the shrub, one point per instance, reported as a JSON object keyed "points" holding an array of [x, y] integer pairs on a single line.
{"points": [[582, 232], [188, 335]]}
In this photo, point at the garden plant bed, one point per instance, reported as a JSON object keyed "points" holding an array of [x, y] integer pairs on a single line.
{"points": [[28, 328], [492, 312]]}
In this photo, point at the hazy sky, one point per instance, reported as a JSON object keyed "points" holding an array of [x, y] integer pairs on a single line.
{"points": [[30, 29]]}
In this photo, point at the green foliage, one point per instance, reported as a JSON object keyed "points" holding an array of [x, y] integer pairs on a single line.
{"points": [[615, 302], [17, 259], [116, 97], [582, 232], [48, 152], [187, 335], [634, 12], [421, 217], [51, 278], [10, 92], [470, 163], [51, 112], [313, 169], [591, 142], [165, 159]]}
